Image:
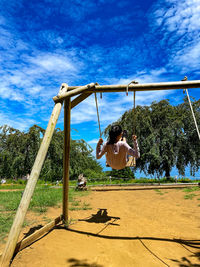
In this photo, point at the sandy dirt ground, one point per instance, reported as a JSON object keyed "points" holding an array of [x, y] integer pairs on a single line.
{"points": [[122, 228]]}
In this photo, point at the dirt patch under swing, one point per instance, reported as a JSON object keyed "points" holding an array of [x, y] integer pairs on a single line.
{"points": [[122, 228]]}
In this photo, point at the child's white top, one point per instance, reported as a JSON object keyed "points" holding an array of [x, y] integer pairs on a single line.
{"points": [[116, 154]]}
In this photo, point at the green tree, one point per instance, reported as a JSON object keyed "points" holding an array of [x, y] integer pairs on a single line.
{"points": [[18, 151], [12, 152], [30, 147], [188, 152], [81, 159], [53, 165], [125, 173]]}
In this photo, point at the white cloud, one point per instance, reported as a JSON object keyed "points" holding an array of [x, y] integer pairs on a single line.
{"points": [[109, 111], [188, 57], [177, 23], [31, 78], [15, 121], [145, 98], [52, 37], [180, 16], [7, 92], [53, 62], [145, 76]]}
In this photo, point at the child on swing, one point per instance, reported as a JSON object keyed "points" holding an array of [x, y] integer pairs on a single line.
{"points": [[117, 151]]}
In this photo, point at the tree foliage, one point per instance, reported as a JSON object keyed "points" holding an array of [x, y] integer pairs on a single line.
{"points": [[124, 173], [167, 136], [18, 151]]}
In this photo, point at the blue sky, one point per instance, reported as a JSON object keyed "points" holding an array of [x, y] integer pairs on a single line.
{"points": [[45, 43]]}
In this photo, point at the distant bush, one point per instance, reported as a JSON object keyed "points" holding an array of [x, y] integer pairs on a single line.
{"points": [[184, 180], [20, 181]]}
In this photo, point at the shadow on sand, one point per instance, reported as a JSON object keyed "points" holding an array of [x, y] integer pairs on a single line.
{"points": [[83, 263], [102, 217], [184, 262]]}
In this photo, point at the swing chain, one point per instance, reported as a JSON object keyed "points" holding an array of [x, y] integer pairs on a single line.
{"points": [[98, 114], [134, 124], [191, 108], [132, 82]]}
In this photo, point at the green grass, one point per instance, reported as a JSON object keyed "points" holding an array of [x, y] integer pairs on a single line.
{"points": [[12, 186], [190, 196], [9, 201], [5, 223], [191, 189], [43, 198], [86, 206], [6, 220], [158, 191], [21, 186], [46, 197]]}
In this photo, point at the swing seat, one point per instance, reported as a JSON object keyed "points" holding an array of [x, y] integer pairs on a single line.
{"points": [[131, 162]]}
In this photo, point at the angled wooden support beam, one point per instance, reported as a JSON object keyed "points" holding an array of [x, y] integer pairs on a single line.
{"points": [[142, 87], [28, 192], [74, 92], [37, 234], [79, 99]]}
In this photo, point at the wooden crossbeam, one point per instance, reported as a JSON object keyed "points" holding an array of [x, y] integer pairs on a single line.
{"points": [[140, 87], [93, 87], [144, 86]]}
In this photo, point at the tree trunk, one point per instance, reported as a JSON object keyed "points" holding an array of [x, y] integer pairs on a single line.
{"points": [[167, 173]]}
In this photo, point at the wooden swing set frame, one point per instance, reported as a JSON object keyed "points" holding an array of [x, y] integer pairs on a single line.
{"points": [[64, 96]]}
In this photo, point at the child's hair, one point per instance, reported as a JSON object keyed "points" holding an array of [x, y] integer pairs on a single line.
{"points": [[115, 131]]}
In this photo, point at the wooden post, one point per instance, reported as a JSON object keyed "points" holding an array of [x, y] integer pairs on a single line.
{"points": [[66, 158], [28, 192]]}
